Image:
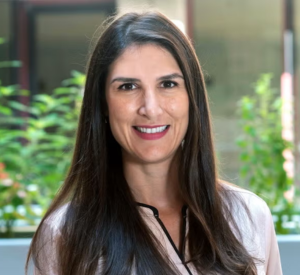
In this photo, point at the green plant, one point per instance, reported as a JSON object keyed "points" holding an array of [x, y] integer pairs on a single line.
{"points": [[15, 200], [36, 144], [261, 150]]}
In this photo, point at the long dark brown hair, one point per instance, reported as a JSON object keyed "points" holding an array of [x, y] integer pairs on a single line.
{"points": [[101, 222]]}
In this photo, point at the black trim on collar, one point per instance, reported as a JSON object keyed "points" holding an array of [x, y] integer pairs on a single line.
{"points": [[179, 253], [156, 212]]}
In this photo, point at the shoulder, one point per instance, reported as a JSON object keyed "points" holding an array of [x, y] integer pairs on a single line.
{"points": [[250, 212], [45, 250], [253, 219], [255, 223], [256, 206], [55, 219]]}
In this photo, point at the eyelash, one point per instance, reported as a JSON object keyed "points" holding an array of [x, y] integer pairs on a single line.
{"points": [[123, 86], [175, 84]]}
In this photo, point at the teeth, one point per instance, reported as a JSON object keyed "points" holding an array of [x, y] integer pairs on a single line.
{"points": [[152, 130]]}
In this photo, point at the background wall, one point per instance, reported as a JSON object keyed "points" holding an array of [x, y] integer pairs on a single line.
{"points": [[63, 41], [236, 41], [5, 33], [174, 9]]}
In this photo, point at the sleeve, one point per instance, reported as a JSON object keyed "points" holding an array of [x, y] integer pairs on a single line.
{"points": [[46, 256], [272, 259]]}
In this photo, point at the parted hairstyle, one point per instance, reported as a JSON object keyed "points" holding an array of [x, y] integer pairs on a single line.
{"points": [[102, 222]]}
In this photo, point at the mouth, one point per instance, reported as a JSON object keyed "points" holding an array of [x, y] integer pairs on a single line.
{"points": [[151, 129]]}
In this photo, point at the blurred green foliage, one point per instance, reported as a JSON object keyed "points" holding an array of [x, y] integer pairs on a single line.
{"points": [[37, 140], [14, 195], [261, 154], [11, 63], [37, 137]]}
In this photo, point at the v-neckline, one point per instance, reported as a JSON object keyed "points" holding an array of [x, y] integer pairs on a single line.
{"points": [[181, 251]]}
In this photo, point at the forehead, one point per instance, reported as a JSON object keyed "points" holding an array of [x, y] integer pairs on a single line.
{"points": [[150, 59]]}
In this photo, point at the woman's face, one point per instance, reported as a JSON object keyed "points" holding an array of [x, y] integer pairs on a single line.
{"points": [[148, 104]]}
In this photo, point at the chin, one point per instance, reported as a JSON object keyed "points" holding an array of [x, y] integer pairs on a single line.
{"points": [[155, 157]]}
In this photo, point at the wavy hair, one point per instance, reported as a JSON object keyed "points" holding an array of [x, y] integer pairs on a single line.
{"points": [[101, 222]]}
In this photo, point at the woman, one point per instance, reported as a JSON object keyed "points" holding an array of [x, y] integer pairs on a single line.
{"points": [[142, 195]]}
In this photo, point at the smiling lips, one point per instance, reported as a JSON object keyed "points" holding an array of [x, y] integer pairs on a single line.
{"points": [[151, 132]]}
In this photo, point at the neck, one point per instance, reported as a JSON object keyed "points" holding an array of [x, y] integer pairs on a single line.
{"points": [[154, 184]]}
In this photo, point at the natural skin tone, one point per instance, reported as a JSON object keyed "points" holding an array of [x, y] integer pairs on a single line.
{"points": [[145, 88]]}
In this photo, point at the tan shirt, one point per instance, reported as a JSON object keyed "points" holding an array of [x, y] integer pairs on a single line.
{"points": [[258, 237]]}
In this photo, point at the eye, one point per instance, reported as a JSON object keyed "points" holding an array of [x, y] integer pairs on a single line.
{"points": [[127, 87], [168, 84]]}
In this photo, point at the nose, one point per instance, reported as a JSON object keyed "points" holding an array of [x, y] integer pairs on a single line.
{"points": [[151, 104]]}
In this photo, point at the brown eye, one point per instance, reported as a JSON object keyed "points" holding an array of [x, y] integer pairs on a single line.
{"points": [[127, 87], [168, 84]]}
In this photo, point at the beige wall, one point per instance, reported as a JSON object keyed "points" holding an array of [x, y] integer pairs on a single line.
{"points": [[4, 18], [62, 44], [174, 9], [5, 33], [236, 41]]}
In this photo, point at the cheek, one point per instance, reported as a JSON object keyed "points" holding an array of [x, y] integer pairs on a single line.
{"points": [[116, 108], [179, 107], [116, 115], [120, 112]]}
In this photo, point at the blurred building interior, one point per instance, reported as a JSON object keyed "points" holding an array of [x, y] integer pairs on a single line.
{"points": [[236, 41]]}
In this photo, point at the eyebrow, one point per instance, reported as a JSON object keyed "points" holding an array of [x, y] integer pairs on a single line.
{"points": [[170, 76], [130, 79]]}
